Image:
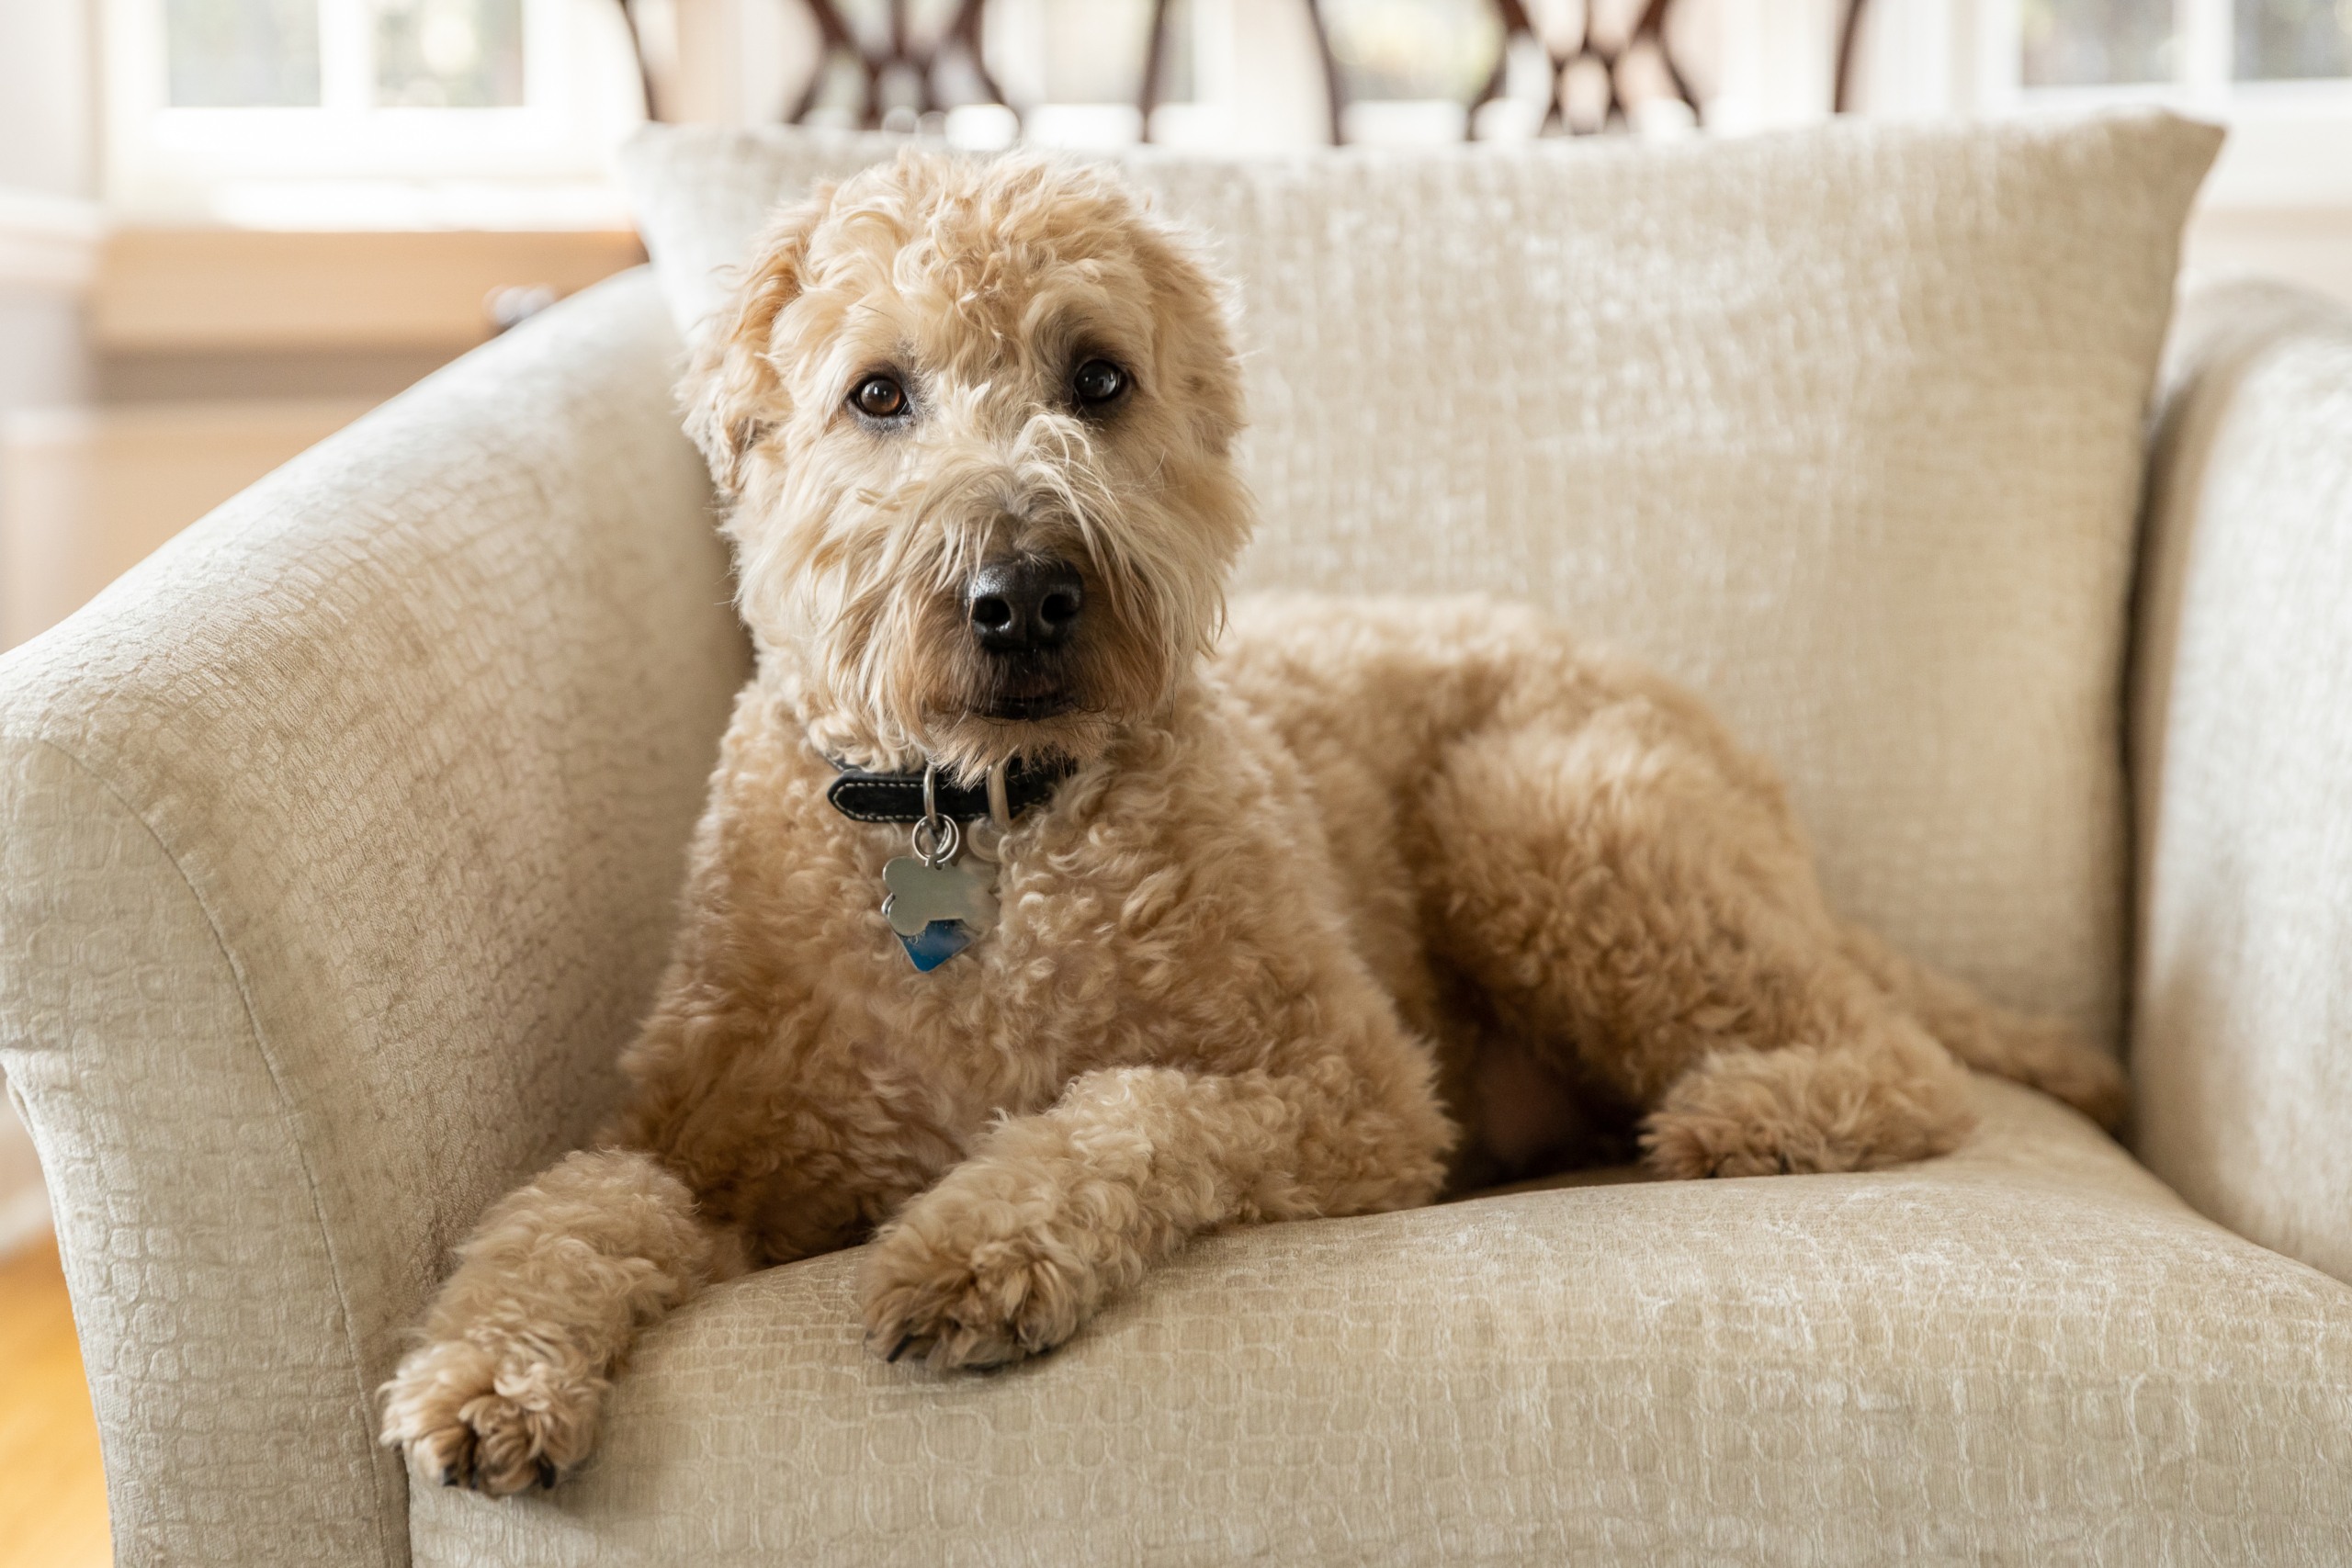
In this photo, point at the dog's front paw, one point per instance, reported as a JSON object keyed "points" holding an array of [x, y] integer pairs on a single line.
{"points": [[941, 1287], [465, 1416]]}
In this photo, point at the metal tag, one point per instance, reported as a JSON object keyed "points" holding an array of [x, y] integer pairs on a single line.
{"points": [[935, 907]]}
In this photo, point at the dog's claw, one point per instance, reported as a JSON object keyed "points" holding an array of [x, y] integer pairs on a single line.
{"points": [[546, 1475], [900, 1347], [449, 1475]]}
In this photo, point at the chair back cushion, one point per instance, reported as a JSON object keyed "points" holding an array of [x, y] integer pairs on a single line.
{"points": [[1843, 427]]}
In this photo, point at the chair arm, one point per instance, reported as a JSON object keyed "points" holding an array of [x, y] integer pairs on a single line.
{"points": [[2242, 756], [339, 844]]}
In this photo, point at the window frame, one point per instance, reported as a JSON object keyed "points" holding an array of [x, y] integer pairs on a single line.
{"points": [[2290, 141], [580, 98]]}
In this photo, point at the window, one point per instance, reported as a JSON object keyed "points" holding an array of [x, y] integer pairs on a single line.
{"points": [[447, 54], [2192, 43], [2278, 72], [265, 108]]}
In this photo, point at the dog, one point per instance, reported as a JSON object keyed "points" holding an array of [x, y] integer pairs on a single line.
{"points": [[1044, 914]]}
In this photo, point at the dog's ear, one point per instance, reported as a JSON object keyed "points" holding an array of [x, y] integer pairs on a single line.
{"points": [[732, 394], [1196, 317]]}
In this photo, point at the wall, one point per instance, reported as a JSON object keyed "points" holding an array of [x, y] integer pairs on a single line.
{"points": [[46, 244], [2311, 246], [49, 229]]}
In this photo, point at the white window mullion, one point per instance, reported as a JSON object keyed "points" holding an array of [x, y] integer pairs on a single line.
{"points": [[1965, 52], [555, 58], [346, 63], [1997, 62], [1920, 59], [2206, 42]]}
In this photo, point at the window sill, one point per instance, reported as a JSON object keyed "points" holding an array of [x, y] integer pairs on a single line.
{"points": [[47, 243], [224, 289]]}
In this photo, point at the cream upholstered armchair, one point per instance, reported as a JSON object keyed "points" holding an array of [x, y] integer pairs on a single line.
{"points": [[338, 846]]}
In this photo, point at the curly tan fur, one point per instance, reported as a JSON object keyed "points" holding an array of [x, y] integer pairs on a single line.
{"points": [[1342, 903]]}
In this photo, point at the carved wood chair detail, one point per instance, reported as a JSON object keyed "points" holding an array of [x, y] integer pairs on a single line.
{"points": [[904, 56]]}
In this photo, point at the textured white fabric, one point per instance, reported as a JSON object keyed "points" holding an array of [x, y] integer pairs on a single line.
{"points": [[339, 844], [2030, 1353], [2241, 743], [1843, 427]]}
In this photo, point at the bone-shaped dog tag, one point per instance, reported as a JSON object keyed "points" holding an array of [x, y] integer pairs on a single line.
{"points": [[920, 893], [936, 910], [934, 905]]}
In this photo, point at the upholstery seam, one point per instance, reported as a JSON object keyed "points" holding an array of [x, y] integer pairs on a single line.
{"points": [[286, 1103]]}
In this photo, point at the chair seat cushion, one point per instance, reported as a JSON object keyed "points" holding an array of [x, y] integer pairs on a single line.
{"points": [[2028, 1352]]}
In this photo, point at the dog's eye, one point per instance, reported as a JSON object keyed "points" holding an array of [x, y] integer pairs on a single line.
{"points": [[1097, 382], [879, 397]]}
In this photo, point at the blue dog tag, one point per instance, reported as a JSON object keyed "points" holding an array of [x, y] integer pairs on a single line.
{"points": [[936, 944], [935, 910]]}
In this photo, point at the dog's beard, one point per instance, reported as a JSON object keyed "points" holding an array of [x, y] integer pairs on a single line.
{"points": [[1032, 686], [865, 589], [891, 676], [982, 709]]}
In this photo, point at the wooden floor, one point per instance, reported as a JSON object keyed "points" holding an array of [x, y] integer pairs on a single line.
{"points": [[52, 1492]]}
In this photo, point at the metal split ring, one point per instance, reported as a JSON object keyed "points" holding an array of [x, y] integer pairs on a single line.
{"points": [[945, 837]]}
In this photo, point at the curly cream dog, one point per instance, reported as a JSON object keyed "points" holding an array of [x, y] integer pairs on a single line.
{"points": [[1312, 913]]}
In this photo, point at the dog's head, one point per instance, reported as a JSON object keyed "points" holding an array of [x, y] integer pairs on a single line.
{"points": [[976, 421]]}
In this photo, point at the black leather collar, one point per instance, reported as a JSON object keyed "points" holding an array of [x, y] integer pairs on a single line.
{"points": [[898, 798]]}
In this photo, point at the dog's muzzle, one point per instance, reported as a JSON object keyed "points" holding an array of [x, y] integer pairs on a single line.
{"points": [[1025, 604], [1023, 611]]}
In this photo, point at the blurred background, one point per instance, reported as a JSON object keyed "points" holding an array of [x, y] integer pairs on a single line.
{"points": [[229, 227]]}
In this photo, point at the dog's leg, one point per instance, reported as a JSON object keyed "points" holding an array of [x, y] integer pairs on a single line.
{"points": [[549, 1291], [1873, 1099], [1057, 1211], [1629, 891]]}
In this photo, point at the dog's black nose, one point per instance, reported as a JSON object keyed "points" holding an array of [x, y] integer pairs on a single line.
{"points": [[1025, 602]]}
